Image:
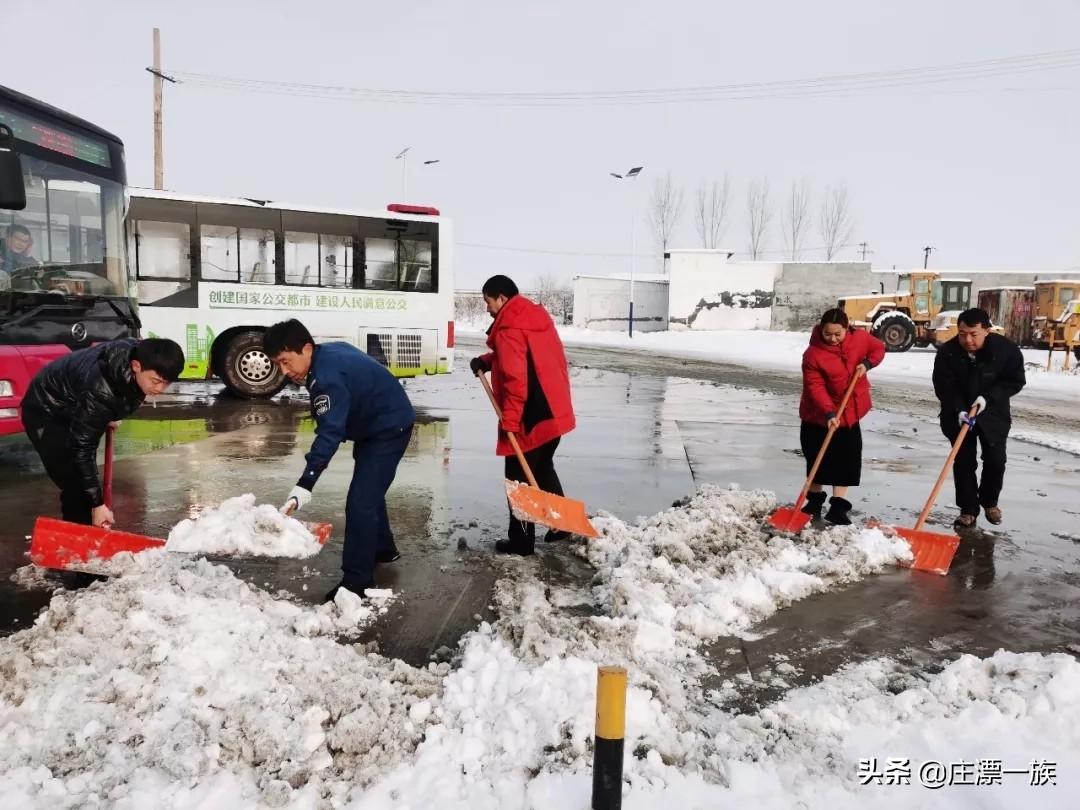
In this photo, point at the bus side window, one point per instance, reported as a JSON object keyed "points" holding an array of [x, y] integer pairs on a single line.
{"points": [[162, 258], [220, 257], [380, 266], [257, 255], [415, 266], [336, 255], [301, 258]]}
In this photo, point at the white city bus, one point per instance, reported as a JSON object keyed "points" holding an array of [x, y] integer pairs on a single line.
{"points": [[214, 273]]}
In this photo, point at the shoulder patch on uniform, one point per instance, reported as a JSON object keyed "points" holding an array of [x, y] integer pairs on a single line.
{"points": [[321, 405]]}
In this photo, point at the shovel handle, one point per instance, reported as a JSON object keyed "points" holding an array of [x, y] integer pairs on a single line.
{"points": [[825, 444], [513, 439], [945, 470], [106, 487]]}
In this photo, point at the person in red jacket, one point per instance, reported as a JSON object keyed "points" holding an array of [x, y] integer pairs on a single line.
{"points": [[531, 383], [836, 354]]}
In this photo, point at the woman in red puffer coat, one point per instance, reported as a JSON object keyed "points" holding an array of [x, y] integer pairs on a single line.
{"points": [[836, 354]]}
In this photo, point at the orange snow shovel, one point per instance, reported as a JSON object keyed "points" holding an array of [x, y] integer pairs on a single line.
{"points": [[60, 544], [793, 519], [933, 551], [63, 545], [546, 508]]}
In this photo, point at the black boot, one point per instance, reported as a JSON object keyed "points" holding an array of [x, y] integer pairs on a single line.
{"points": [[813, 505], [387, 555], [838, 511], [555, 535], [521, 539], [522, 549]]}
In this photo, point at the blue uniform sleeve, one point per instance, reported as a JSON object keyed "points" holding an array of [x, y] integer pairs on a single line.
{"points": [[331, 408]]}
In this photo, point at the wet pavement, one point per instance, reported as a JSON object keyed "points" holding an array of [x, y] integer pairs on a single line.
{"points": [[645, 438]]}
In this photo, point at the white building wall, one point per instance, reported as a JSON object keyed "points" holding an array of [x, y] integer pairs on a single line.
{"points": [[709, 292], [603, 303]]}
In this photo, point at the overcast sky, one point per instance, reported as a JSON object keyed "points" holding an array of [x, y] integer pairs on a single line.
{"points": [[987, 171]]}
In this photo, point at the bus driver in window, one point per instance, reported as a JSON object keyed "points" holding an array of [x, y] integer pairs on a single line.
{"points": [[15, 249]]}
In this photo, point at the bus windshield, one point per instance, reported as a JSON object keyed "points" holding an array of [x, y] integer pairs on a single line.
{"points": [[69, 238]]}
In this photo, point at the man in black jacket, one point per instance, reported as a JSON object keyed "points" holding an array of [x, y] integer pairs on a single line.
{"points": [[981, 370], [71, 403]]}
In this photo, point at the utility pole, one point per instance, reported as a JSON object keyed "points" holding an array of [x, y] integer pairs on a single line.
{"points": [[864, 246], [159, 159], [159, 79], [926, 256]]}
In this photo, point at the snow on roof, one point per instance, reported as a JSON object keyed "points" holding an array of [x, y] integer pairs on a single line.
{"points": [[651, 277], [156, 194], [898, 271], [992, 289], [1058, 281]]}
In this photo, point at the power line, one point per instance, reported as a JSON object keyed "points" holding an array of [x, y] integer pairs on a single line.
{"points": [[827, 85], [548, 252]]}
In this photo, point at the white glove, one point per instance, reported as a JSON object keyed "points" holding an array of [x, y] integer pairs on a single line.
{"points": [[298, 499], [980, 403]]}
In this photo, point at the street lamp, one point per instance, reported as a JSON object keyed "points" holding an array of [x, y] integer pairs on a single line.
{"points": [[630, 175], [403, 156]]}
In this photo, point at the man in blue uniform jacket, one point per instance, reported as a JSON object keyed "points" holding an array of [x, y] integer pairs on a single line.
{"points": [[353, 398]]}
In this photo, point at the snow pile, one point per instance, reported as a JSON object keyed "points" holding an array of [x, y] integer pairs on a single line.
{"points": [[522, 700], [708, 568], [178, 685], [240, 528]]}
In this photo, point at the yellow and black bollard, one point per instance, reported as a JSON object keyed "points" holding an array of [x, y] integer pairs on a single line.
{"points": [[608, 745]]}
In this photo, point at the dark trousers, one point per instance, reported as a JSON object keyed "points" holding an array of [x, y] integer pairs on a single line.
{"points": [[970, 492], [367, 526], [50, 439], [541, 461]]}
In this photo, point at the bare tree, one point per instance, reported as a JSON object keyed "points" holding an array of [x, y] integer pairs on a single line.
{"points": [[758, 215], [796, 217], [836, 223], [665, 209], [555, 294], [711, 213]]}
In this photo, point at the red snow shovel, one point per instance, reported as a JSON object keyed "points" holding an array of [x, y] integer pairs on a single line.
{"points": [[793, 519], [546, 508], [60, 544], [933, 551]]}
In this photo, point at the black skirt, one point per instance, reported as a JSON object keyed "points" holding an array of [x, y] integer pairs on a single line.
{"points": [[842, 465]]}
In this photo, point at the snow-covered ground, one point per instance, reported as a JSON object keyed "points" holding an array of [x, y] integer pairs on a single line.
{"points": [[176, 685], [782, 351]]}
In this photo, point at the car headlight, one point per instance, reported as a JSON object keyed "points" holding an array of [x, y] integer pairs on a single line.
{"points": [[6, 388]]}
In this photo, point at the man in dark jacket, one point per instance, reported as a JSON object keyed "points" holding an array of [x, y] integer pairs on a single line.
{"points": [[72, 401], [353, 398], [978, 370], [531, 383]]}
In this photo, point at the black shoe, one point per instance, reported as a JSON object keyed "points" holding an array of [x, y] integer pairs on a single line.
{"points": [[815, 501], [838, 512], [350, 586], [555, 535], [510, 547], [387, 555]]}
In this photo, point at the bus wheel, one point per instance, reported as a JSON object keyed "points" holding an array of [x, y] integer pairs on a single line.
{"points": [[247, 370]]}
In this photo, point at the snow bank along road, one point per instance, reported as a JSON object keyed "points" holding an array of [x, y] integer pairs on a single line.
{"points": [[1055, 410]]}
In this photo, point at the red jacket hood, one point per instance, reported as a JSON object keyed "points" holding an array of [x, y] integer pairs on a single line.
{"points": [[520, 313]]}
